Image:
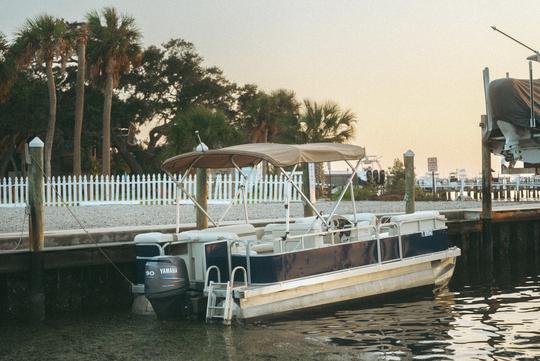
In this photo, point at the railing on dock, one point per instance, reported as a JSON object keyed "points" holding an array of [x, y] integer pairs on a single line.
{"points": [[151, 189]]}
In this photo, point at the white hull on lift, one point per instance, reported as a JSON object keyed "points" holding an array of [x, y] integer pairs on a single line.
{"points": [[434, 269]]}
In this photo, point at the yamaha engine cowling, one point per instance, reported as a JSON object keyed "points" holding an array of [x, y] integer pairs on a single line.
{"points": [[165, 286]]}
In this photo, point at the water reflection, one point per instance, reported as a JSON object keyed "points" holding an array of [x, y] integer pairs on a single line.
{"points": [[471, 322], [468, 321]]}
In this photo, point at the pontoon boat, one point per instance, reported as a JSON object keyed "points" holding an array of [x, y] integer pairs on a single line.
{"points": [[248, 272]]}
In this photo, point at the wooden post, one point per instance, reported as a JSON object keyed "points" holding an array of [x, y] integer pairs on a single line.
{"points": [[408, 161], [308, 188], [433, 185], [487, 237], [202, 197], [36, 229]]}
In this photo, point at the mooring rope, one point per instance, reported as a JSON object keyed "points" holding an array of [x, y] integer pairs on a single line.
{"points": [[26, 212], [82, 226]]}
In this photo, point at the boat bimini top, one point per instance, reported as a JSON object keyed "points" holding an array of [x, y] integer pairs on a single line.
{"points": [[249, 155], [278, 155]]}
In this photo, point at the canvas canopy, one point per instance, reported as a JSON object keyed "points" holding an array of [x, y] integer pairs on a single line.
{"points": [[279, 155], [509, 101]]}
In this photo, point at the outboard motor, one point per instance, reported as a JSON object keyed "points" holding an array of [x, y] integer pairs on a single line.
{"points": [[166, 285]]}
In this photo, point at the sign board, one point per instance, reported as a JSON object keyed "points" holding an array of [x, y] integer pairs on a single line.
{"points": [[432, 164]]}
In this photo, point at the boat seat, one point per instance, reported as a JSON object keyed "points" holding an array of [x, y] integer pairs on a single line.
{"points": [[419, 221], [362, 219], [244, 230], [231, 232], [210, 236], [154, 237], [275, 231], [265, 247]]}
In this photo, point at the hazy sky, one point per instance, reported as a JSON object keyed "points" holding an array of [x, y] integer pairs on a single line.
{"points": [[410, 70]]}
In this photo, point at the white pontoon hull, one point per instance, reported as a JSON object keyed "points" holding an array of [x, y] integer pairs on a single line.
{"points": [[433, 269]]}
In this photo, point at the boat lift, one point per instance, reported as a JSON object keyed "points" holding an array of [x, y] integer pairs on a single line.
{"points": [[511, 128]]}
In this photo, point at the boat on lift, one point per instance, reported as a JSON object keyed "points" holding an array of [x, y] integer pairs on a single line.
{"points": [[246, 272], [511, 128]]}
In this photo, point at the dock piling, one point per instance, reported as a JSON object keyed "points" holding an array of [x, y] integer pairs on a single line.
{"points": [[308, 187], [202, 197], [36, 229], [487, 236], [408, 161]]}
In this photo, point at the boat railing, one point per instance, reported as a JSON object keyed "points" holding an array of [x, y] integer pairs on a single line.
{"points": [[347, 231], [374, 233], [247, 244], [233, 274], [207, 276], [418, 222]]}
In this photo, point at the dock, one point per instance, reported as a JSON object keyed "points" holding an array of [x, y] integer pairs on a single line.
{"points": [[78, 276]]}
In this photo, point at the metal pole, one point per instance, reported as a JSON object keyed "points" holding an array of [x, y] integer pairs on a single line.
{"points": [[408, 161], [36, 228], [183, 189], [288, 204], [289, 179], [177, 210], [349, 183], [531, 96], [244, 189]]}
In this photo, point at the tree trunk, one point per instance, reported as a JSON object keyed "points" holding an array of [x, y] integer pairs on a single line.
{"points": [[79, 106], [129, 158], [107, 105], [49, 137]]}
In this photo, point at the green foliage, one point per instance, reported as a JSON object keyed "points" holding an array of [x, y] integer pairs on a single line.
{"points": [[41, 40], [421, 194], [265, 117], [166, 91], [113, 44], [213, 128], [324, 123], [7, 69], [396, 178], [361, 193]]}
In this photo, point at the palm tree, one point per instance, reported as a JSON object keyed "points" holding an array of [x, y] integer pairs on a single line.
{"points": [[264, 116], [41, 42], [113, 49], [80, 31], [325, 123], [6, 70]]}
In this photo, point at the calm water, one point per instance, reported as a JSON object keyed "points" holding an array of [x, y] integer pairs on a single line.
{"points": [[468, 321]]}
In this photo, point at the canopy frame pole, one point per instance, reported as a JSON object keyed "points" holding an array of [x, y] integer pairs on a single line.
{"points": [[289, 179], [354, 170], [288, 205], [532, 121], [349, 182], [180, 186], [178, 195], [243, 187], [229, 206]]}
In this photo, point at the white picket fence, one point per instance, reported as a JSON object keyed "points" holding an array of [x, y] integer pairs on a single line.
{"points": [[152, 189]]}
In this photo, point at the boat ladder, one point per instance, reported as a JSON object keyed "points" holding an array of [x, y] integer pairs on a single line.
{"points": [[220, 301]]}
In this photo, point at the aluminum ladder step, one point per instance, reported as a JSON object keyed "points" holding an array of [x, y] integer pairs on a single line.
{"points": [[219, 292]]}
